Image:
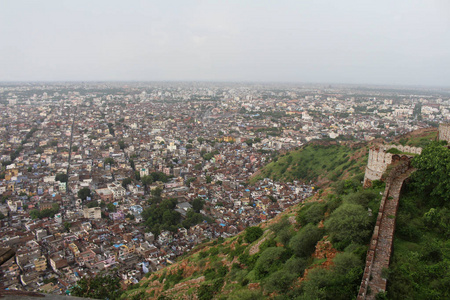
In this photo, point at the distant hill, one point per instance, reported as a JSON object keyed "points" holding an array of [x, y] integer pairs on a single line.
{"points": [[321, 162], [418, 138]]}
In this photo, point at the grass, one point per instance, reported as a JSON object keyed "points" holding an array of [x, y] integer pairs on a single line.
{"points": [[311, 162], [422, 141], [318, 261], [421, 260]]}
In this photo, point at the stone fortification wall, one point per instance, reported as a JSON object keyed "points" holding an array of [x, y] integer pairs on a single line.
{"points": [[379, 160], [444, 132], [380, 247], [377, 164], [407, 149]]}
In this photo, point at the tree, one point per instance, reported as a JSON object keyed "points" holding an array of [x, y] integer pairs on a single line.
{"points": [[98, 287], [126, 182], [253, 233], [146, 181], [67, 226], [312, 212], [340, 282], [156, 192], [34, 214], [109, 161], [432, 175], [188, 181], [304, 242], [84, 193], [192, 218], [269, 262], [159, 176], [111, 129], [349, 223], [92, 204], [122, 145], [46, 213], [197, 204], [111, 207], [62, 177], [279, 281]]}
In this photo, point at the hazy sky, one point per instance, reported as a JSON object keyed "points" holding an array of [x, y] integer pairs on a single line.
{"points": [[336, 41]]}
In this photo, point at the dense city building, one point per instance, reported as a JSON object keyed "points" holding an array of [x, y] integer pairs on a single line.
{"points": [[85, 165]]}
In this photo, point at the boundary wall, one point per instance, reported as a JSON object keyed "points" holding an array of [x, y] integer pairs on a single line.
{"points": [[381, 243]]}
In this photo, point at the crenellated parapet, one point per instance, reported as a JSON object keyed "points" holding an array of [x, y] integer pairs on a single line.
{"points": [[379, 160], [444, 132]]}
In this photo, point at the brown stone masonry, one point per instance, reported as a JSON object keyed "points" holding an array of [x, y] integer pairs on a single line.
{"points": [[380, 248]]}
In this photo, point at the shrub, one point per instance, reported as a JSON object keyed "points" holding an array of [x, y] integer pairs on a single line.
{"points": [[279, 281], [349, 223], [361, 197], [268, 262], [312, 213], [253, 233], [296, 265], [304, 242]]}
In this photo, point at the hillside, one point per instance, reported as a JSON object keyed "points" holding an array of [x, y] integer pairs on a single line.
{"points": [[418, 138], [420, 266], [320, 245], [317, 250], [322, 162]]}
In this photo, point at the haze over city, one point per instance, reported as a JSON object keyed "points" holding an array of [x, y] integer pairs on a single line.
{"points": [[356, 42]]}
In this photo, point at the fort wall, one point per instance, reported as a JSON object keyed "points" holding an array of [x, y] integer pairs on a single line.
{"points": [[444, 132], [379, 160], [381, 243]]}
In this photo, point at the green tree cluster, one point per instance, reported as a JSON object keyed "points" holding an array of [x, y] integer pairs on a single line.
{"points": [[253, 233], [84, 193], [62, 177], [98, 287], [45, 213], [162, 216]]}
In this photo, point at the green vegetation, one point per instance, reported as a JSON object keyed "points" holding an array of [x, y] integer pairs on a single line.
{"points": [[421, 140], [284, 251], [62, 177], [313, 161], [252, 234], [161, 215], [273, 259], [98, 287], [84, 193], [304, 242], [421, 257], [126, 182], [109, 161], [45, 213]]}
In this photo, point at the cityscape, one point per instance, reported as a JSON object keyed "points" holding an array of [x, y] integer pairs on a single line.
{"points": [[86, 166]]}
